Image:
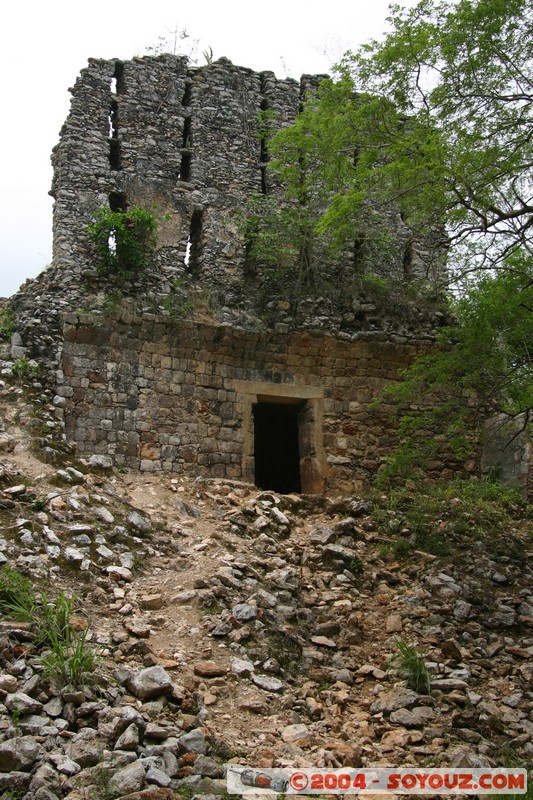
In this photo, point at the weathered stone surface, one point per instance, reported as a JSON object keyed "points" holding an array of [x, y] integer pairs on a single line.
{"points": [[150, 794], [18, 754], [207, 767], [102, 462], [157, 776], [146, 415], [209, 669], [150, 682], [139, 522], [128, 740], [412, 718], [86, 748], [268, 684], [8, 683], [128, 779], [151, 602], [396, 698], [21, 702], [295, 733], [244, 612], [193, 741], [240, 666], [64, 764]]}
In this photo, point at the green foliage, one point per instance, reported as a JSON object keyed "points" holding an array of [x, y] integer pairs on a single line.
{"points": [[17, 596], [24, 369], [54, 619], [411, 667], [123, 241], [208, 56], [177, 303], [434, 120], [482, 366], [434, 519], [111, 302], [355, 566], [265, 117], [290, 260], [509, 758], [70, 658], [186, 791], [399, 548], [16, 716], [278, 240], [432, 124], [7, 324]]}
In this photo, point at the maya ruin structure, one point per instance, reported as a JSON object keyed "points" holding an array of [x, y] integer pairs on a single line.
{"points": [[219, 392]]}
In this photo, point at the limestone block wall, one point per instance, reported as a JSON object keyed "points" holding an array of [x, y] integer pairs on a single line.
{"points": [[157, 395]]}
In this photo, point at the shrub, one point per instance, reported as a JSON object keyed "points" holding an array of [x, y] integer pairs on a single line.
{"points": [[71, 659], [7, 324], [22, 368], [124, 241]]}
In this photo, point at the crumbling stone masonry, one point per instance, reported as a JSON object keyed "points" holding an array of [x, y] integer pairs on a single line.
{"points": [[283, 403], [188, 143]]}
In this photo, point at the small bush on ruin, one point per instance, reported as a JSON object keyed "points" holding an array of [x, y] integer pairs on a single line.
{"points": [[123, 241], [7, 324]]}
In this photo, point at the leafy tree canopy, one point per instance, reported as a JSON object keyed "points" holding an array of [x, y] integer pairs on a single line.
{"points": [[436, 119], [482, 367]]}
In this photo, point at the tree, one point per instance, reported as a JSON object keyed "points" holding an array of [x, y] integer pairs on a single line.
{"points": [[482, 367], [435, 122]]}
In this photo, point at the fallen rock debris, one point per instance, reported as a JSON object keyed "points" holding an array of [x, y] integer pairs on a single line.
{"points": [[242, 625]]}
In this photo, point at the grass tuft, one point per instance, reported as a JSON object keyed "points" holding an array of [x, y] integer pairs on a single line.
{"points": [[411, 667]]}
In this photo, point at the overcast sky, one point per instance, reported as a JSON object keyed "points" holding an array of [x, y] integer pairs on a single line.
{"points": [[44, 45]]}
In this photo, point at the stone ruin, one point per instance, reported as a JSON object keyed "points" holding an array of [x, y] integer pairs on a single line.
{"points": [[223, 393]]}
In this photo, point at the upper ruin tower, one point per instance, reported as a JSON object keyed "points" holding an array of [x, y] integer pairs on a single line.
{"points": [[186, 143]]}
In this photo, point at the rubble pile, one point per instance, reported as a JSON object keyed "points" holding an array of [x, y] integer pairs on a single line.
{"points": [[231, 624]]}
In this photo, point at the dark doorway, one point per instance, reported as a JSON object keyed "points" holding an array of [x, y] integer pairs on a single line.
{"points": [[276, 449]]}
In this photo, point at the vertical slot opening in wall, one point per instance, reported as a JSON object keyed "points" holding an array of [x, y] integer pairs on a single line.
{"points": [[263, 155], [186, 100], [407, 263], [184, 173], [194, 242], [117, 81], [187, 132], [358, 254], [277, 445], [114, 144]]}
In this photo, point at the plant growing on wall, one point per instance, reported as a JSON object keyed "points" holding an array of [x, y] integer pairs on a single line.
{"points": [[124, 241]]}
